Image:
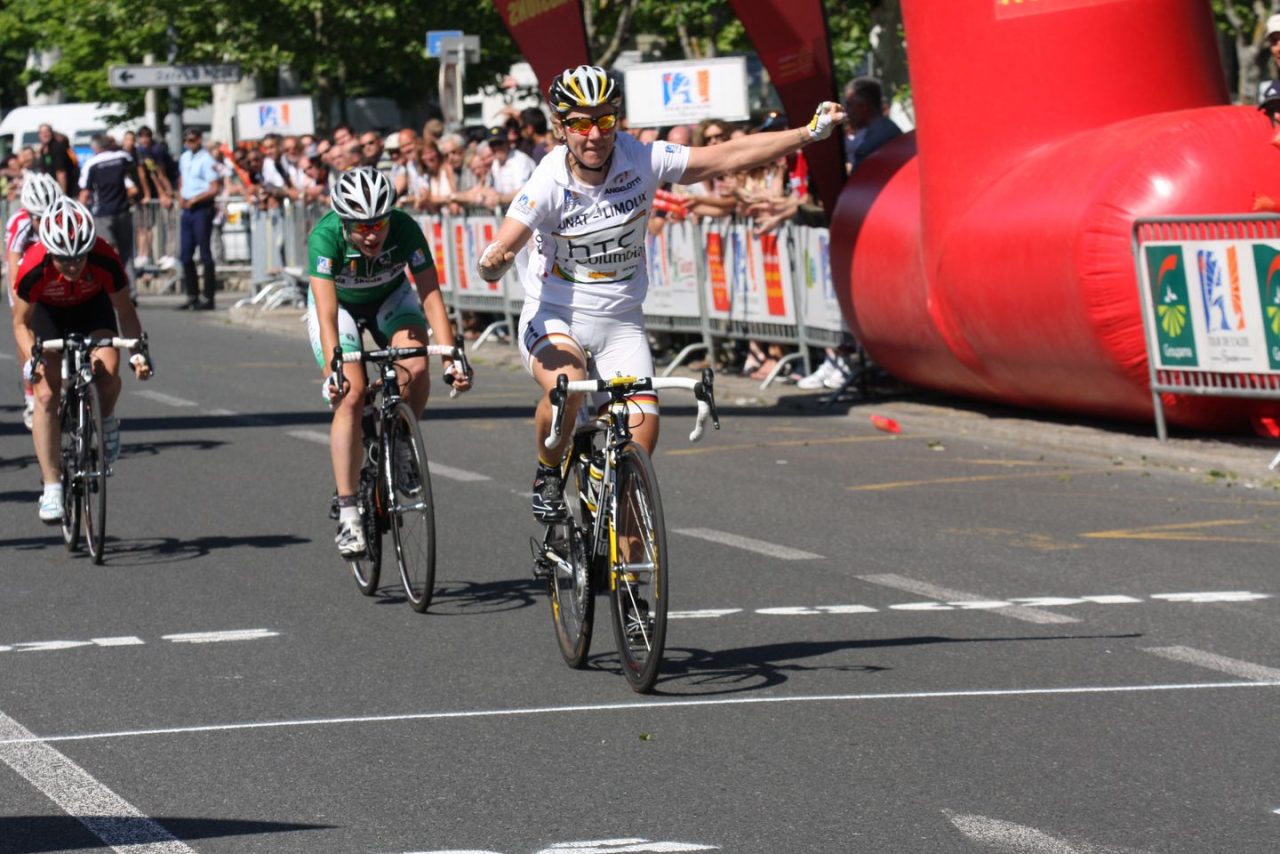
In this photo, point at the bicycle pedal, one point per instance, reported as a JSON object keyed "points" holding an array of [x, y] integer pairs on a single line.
{"points": [[542, 571]]}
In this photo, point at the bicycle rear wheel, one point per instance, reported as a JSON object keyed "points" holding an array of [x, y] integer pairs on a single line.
{"points": [[410, 508], [368, 569], [94, 474], [69, 461], [638, 569], [569, 582]]}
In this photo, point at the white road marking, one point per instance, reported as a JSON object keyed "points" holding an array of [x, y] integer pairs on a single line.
{"points": [[623, 846], [1211, 596], [911, 585], [221, 637], [452, 473], [166, 399], [656, 704], [702, 614], [1220, 663], [997, 835], [6, 357], [751, 545], [108, 816], [310, 435]]}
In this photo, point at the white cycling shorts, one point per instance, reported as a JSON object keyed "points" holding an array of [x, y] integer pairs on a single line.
{"points": [[616, 345]]}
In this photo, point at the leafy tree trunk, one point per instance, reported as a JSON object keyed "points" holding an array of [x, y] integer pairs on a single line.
{"points": [[890, 51], [1253, 59]]}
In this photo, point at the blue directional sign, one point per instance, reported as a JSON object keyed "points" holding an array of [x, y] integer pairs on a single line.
{"points": [[434, 37]]}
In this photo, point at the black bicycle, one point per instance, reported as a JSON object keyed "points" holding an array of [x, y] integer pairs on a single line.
{"points": [[615, 534], [394, 490], [83, 452]]}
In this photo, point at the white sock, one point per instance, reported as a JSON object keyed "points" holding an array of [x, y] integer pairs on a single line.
{"points": [[348, 514], [53, 489]]}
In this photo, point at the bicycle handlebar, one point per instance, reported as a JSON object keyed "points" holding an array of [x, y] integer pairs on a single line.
{"points": [[60, 344], [392, 354], [703, 391]]}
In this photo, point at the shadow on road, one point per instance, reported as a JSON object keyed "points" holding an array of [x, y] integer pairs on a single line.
{"points": [[20, 495], [35, 834], [159, 550], [700, 672], [468, 598], [138, 449]]}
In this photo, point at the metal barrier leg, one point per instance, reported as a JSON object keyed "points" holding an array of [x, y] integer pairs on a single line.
{"points": [[780, 367], [1162, 432], [491, 329], [688, 350]]}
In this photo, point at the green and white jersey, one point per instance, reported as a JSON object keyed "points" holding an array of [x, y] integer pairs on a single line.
{"points": [[361, 279]]}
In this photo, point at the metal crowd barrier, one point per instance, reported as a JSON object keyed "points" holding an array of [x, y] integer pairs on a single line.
{"points": [[1209, 288], [713, 281]]}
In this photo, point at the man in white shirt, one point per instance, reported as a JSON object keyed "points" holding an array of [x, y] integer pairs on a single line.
{"points": [[511, 167]]}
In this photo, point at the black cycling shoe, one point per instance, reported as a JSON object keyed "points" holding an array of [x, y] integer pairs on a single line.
{"points": [[548, 503]]}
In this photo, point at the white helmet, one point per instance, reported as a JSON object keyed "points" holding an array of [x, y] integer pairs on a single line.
{"points": [[39, 191], [363, 193], [67, 228]]}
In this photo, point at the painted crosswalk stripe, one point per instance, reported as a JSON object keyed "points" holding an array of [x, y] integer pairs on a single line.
{"points": [[112, 819], [747, 543], [311, 436], [166, 399], [947, 594], [1220, 663], [451, 473]]}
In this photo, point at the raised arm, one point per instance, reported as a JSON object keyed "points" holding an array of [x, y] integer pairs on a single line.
{"points": [[748, 152]]}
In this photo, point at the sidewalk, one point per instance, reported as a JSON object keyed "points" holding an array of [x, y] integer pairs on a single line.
{"points": [[928, 416]]}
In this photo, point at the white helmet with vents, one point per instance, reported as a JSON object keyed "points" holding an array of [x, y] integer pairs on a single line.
{"points": [[581, 87], [67, 229], [363, 193], [39, 191]]}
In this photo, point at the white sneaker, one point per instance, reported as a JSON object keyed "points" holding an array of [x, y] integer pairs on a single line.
{"points": [[350, 539], [28, 411], [140, 261], [840, 375], [168, 262], [818, 379], [51, 507]]}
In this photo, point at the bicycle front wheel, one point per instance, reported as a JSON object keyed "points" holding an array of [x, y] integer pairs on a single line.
{"points": [[638, 569], [94, 474], [69, 461], [569, 581], [410, 508], [368, 569]]}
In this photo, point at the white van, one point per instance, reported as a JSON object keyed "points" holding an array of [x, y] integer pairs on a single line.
{"points": [[79, 122]]}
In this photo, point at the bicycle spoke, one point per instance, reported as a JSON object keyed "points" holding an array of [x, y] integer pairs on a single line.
{"points": [[411, 511], [639, 574]]}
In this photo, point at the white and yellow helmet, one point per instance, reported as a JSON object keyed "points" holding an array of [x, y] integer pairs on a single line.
{"points": [[584, 86]]}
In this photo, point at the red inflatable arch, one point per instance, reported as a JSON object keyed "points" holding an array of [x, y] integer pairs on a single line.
{"points": [[989, 252]]}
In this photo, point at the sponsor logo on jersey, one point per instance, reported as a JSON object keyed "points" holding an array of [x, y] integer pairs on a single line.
{"points": [[418, 258], [604, 210], [622, 188], [324, 265], [525, 203], [672, 149]]}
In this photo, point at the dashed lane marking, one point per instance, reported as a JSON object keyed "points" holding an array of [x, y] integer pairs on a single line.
{"points": [[747, 543], [1220, 663], [108, 816], [996, 834], [923, 588], [316, 436], [976, 478], [26, 738], [166, 399], [451, 473]]}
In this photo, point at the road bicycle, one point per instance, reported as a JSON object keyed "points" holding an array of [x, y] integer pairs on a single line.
{"points": [[83, 453], [615, 535], [394, 490]]}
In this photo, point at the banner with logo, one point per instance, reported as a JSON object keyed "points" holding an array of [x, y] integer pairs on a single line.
{"points": [[550, 34], [1213, 305], [285, 116], [748, 275], [819, 308], [792, 41], [660, 94], [673, 272]]}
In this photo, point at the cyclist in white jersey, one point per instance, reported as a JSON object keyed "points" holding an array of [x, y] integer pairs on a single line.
{"points": [[39, 192], [585, 274]]}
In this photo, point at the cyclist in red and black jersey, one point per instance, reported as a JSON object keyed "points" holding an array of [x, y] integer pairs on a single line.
{"points": [[72, 281]]}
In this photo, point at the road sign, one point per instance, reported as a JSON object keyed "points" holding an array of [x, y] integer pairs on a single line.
{"points": [[161, 76], [434, 37]]}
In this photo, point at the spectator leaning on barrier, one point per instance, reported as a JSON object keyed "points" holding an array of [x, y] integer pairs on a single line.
{"points": [[511, 168], [477, 191], [370, 148], [198, 186], [107, 188]]}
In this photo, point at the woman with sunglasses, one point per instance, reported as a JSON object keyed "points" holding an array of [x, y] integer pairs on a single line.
{"points": [[359, 253], [72, 281], [587, 207]]}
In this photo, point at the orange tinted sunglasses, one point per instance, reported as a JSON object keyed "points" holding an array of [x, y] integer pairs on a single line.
{"points": [[582, 124], [369, 227]]}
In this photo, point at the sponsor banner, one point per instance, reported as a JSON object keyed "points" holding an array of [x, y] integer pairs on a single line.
{"points": [[748, 276], [286, 116], [1213, 305], [673, 272], [791, 38], [550, 34], [819, 308], [659, 94]]}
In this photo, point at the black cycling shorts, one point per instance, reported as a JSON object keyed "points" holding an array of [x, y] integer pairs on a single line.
{"points": [[92, 315]]}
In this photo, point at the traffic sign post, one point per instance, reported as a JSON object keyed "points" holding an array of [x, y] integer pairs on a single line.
{"points": [[162, 76], [434, 38]]}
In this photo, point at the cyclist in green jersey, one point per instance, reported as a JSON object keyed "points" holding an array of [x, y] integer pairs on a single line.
{"points": [[358, 255]]}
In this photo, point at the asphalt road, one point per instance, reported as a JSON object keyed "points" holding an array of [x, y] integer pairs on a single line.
{"points": [[929, 642]]}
